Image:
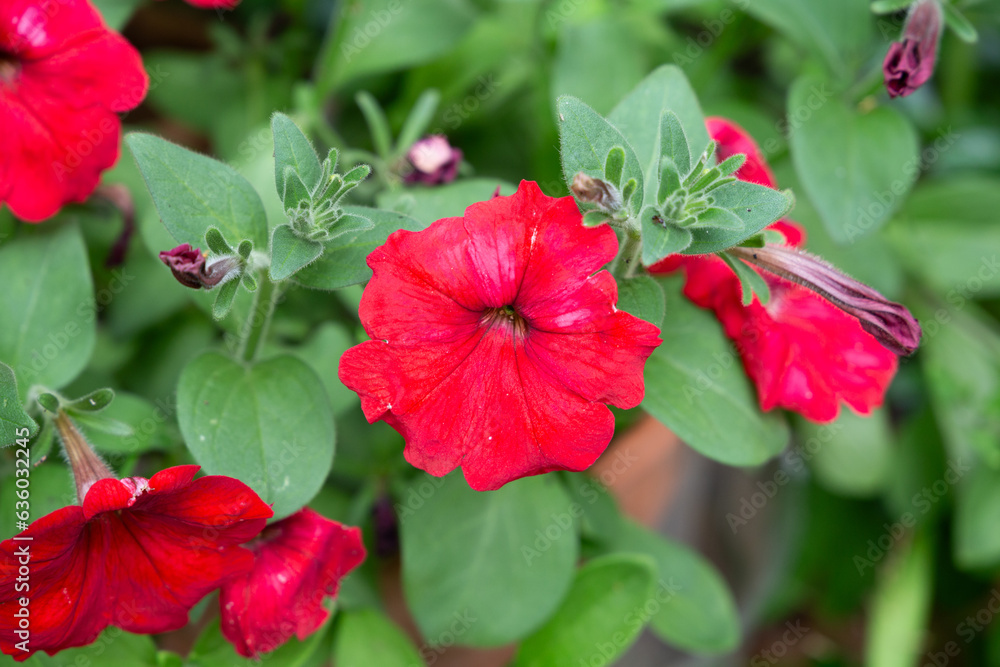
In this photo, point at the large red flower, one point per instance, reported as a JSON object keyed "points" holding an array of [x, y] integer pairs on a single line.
{"points": [[138, 554], [63, 77], [300, 560], [494, 344], [803, 353]]}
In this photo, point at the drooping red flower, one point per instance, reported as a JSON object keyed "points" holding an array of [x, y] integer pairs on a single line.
{"points": [[802, 353], [494, 344], [63, 77], [909, 63], [299, 561], [434, 161], [138, 554]]}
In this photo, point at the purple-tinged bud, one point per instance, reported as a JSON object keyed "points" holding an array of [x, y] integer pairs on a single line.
{"points": [[434, 161], [596, 191], [191, 268], [910, 62], [889, 322]]}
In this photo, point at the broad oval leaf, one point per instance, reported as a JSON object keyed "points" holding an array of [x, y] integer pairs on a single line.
{"points": [[366, 637], [268, 425], [47, 301], [293, 149], [291, 253], [696, 385], [193, 192], [518, 548]]}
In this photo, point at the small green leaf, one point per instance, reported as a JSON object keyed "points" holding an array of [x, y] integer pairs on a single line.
{"points": [[225, 294], [292, 149], [295, 191], [366, 637], [595, 218], [674, 142], [597, 620], [150, 427], [732, 164], [246, 247], [670, 180], [751, 282], [290, 253], [193, 192], [358, 174], [586, 139], [15, 423], [104, 424], [960, 25], [614, 164], [901, 606], [378, 124], [661, 239], [889, 6], [92, 402], [216, 243], [269, 425], [350, 223], [643, 297], [718, 218], [50, 402], [756, 205], [420, 117]]}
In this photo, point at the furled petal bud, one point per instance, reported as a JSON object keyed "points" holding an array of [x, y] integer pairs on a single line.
{"points": [[87, 466], [191, 269], [434, 161], [596, 191], [889, 322], [910, 62]]}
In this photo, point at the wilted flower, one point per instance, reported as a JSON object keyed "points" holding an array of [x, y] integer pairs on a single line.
{"points": [[496, 342], [434, 161], [191, 269], [910, 62]]}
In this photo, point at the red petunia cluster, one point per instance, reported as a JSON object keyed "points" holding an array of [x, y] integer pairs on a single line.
{"points": [[803, 353], [64, 77], [495, 345]]}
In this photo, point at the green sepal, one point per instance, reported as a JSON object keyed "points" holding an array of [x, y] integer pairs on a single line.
{"points": [[95, 401], [751, 282], [595, 218], [246, 247], [356, 175], [732, 164], [216, 242], [296, 191], [50, 402], [249, 281], [614, 166], [226, 294], [670, 180]]}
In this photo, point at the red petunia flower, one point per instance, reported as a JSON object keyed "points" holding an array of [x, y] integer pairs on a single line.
{"points": [[136, 554], [802, 352], [63, 77], [299, 561], [495, 345]]}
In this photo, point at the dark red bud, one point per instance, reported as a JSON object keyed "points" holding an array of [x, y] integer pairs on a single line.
{"points": [[190, 268], [910, 62], [434, 161]]}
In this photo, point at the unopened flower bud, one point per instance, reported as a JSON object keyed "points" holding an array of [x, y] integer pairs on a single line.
{"points": [[596, 191], [191, 268], [87, 466], [889, 322], [910, 62], [434, 161]]}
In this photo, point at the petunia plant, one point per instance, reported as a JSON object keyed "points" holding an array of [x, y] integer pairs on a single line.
{"points": [[355, 377]]}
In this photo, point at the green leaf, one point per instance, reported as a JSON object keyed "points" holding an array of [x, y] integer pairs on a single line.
{"points": [[193, 192], [856, 457], [383, 35], [49, 402], [343, 259], [149, 426], [15, 423], [718, 218], [977, 511], [585, 139], [366, 637], [643, 297], [694, 608], [598, 620], [614, 164], [216, 242], [900, 609], [378, 124], [47, 303], [944, 233], [674, 142], [246, 247], [213, 650], [639, 116], [419, 119], [103, 423], [519, 545], [960, 25], [269, 425], [856, 168], [350, 223], [889, 6], [696, 386], [661, 239], [95, 401], [757, 206], [295, 191], [290, 253], [751, 282], [839, 32], [114, 647], [225, 295], [293, 149]]}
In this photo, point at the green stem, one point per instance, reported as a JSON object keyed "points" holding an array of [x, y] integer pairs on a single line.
{"points": [[629, 252], [255, 329]]}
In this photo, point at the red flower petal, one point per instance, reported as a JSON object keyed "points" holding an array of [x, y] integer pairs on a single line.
{"points": [[59, 107], [494, 347], [802, 353], [138, 555], [299, 561]]}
